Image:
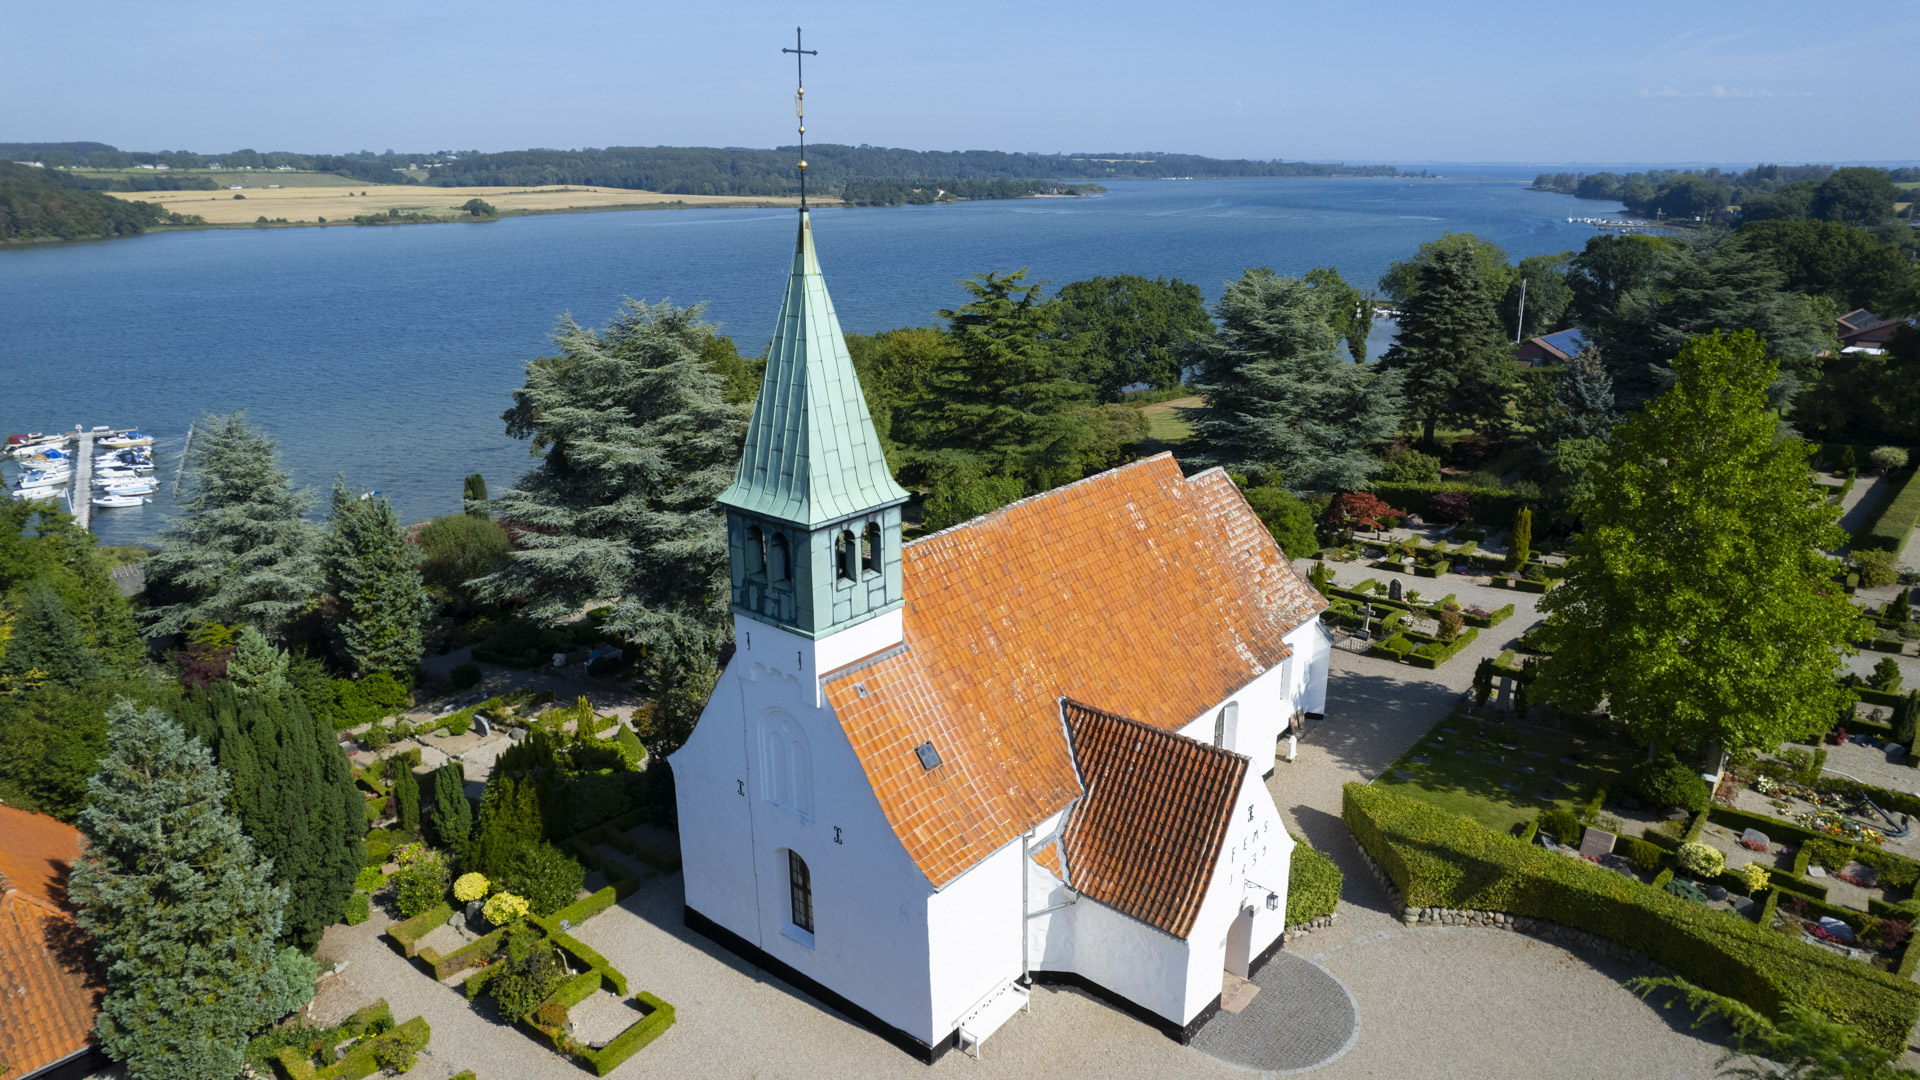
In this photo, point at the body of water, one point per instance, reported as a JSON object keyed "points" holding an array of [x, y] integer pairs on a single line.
{"points": [[388, 354]]}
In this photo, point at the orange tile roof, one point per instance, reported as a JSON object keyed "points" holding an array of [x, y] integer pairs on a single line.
{"points": [[48, 996], [1146, 838], [1155, 594]]}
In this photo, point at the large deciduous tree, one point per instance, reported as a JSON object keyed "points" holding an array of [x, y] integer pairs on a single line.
{"points": [[1133, 330], [1281, 404], [292, 790], [183, 913], [1457, 365], [242, 550], [373, 573], [636, 441], [1700, 603]]}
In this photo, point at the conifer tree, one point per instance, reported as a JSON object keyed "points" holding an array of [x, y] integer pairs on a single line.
{"points": [[636, 442], [1281, 405], [1520, 547], [41, 544], [292, 790], [406, 792], [452, 813], [1458, 366], [183, 913], [1700, 604], [374, 572], [509, 821], [1583, 401], [48, 642], [473, 495], [256, 668], [242, 551]]}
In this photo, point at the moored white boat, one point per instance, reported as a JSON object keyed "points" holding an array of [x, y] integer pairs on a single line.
{"points": [[35, 494], [109, 498], [129, 487], [44, 477], [116, 472], [33, 443], [126, 438]]}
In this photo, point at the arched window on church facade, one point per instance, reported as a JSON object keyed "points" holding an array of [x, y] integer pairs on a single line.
{"points": [[870, 549], [756, 551], [846, 569], [777, 567], [1225, 723], [786, 765]]}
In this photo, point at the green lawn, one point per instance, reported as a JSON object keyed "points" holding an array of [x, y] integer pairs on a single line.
{"points": [[1164, 424], [1473, 784]]}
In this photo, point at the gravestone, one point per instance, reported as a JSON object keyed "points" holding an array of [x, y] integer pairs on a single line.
{"points": [[1505, 697], [1864, 875], [1393, 589], [481, 727], [1716, 892], [1837, 928], [1755, 840], [1597, 842]]}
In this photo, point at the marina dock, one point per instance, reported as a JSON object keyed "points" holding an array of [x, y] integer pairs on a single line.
{"points": [[81, 503]]}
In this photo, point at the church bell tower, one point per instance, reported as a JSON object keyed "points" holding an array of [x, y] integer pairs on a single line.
{"points": [[813, 516]]}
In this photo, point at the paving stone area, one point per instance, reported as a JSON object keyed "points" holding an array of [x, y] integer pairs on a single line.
{"points": [[1302, 1017]]}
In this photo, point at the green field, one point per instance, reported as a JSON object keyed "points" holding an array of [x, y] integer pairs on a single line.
{"points": [[1474, 783], [1164, 425]]}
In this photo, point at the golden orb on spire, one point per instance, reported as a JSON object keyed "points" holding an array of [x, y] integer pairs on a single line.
{"points": [[803, 166]]}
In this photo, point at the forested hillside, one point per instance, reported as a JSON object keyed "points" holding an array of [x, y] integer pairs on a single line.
{"points": [[42, 204]]}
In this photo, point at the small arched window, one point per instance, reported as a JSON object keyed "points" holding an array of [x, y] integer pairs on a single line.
{"points": [[870, 549], [800, 884], [756, 551], [1224, 723], [843, 557], [777, 567]]}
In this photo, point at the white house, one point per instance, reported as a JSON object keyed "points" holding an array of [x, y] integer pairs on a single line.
{"points": [[1028, 748]]}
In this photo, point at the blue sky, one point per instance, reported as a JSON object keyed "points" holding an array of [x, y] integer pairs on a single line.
{"points": [[1677, 81]]}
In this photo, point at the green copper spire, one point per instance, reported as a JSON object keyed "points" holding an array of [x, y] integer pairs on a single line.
{"points": [[811, 455]]}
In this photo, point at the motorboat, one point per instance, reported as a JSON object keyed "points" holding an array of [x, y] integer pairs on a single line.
{"points": [[130, 487], [126, 438], [44, 478], [110, 476], [43, 455], [136, 464], [33, 442], [38, 493], [118, 483], [109, 498]]}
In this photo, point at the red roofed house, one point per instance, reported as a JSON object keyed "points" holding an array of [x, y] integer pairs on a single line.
{"points": [[48, 998], [896, 798]]}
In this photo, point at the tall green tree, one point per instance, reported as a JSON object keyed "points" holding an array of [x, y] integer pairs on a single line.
{"points": [[1133, 330], [293, 792], [373, 571], [1857, 196], [256, 668], [43, 546], [1700, 603], [635, 441], [1004, 403], [1547, 295], [1457, 365], [242, 549], [1349, 311], [1402, 281], [510, 820], [1281, 403], [1603, 273], [473, 495], [1714, 283], [47, 640], [452, 813], [183, 913], [1848, 265]]}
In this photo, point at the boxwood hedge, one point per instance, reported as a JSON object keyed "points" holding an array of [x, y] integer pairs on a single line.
{"points": [[1313, 884], [1439, 859]]}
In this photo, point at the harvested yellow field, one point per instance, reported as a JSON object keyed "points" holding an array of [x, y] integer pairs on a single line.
{"points": [[311, 204]]}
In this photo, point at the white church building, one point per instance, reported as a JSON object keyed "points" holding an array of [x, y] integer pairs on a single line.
{"points": [[1029, 748]]}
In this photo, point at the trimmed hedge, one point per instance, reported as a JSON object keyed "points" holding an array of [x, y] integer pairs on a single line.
{"points": [[362, 1058], [1518, 584], [473, 954], [1313, 884], [1491, 619], [1438, 859], [586, 907], [1892, 522], [407, 934], [1433, 654], [659, 1017], [1899, 870]]}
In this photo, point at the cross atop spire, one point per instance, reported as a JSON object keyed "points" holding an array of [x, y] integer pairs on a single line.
{"points": [[800, 106]]}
